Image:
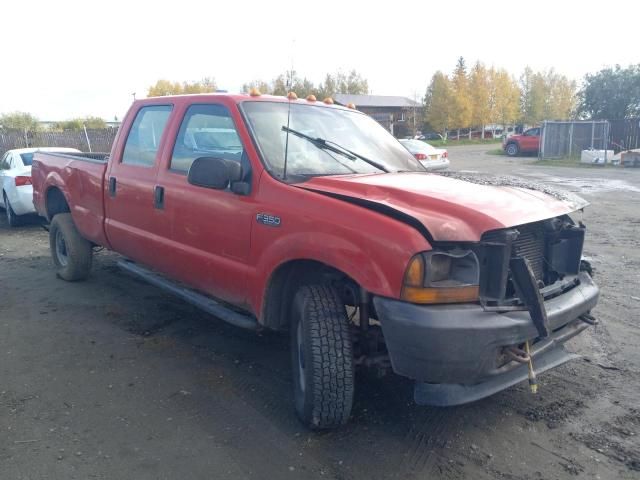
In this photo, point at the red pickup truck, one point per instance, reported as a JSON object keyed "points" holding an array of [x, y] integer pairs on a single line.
{"points": [[309, 217], [527, 142]]}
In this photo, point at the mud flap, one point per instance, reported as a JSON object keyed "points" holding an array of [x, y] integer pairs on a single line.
{"points": [[527, 289]]}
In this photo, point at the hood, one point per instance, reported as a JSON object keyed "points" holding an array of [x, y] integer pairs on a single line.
{"points": [[452, 209]]}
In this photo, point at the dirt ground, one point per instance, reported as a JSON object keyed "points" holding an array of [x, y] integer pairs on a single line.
{"points": [[113, 379]]}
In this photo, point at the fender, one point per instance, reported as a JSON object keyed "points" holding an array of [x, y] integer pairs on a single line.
{"points": [[368, 246], [85, 204]]}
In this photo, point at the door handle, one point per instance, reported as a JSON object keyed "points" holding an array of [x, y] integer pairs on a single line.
{"points": [[112, 186], [158, 197]]}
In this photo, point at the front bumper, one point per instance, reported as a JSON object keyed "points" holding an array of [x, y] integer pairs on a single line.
{"points": [[454, 351]]}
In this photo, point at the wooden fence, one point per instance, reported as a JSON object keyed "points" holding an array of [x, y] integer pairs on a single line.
{"points": [[93, 141]]}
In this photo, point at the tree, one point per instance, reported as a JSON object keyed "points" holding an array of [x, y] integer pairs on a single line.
{"points": [[290, 81], [166, 87], [560, 96], [479, 88], [611, 93], [328, 88], [80, 123], [21, 121], [438, 103], [546, 96], [261, 85], [504, 98], [353, 84], [462, 108]]}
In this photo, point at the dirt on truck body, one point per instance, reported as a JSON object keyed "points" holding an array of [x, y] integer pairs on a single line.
{"points": [[297, 215]]}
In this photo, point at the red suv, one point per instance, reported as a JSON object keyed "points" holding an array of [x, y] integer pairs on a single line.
{"points": [[527, 142]]}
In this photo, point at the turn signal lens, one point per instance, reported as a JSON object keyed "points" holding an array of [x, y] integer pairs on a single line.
{"points": [[440, 295], [415, 272]]}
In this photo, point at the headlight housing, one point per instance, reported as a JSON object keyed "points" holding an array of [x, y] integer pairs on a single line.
{"points": [[440, 276]]}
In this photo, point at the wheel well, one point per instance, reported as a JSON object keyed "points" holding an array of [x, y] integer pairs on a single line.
{"points": [[56, 203], [289, 277]]}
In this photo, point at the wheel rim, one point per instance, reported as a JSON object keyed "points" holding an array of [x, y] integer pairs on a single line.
{"points": [[511, 150], [61, 249], [300, 347]]}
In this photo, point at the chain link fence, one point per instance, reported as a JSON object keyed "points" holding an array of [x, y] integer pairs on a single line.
{"points": [[99, 140], [568, 139]]}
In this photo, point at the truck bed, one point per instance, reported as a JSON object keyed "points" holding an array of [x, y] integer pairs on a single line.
{"points": [[80, 177]]}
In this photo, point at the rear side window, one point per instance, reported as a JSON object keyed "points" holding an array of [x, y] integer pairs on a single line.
{"points": [[145, 134], [27, 158], [206, 131]]}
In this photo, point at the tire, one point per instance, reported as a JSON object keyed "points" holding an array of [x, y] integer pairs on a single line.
{"points": [[12, 219], [322, 358], [71, 253], [512, 149]]}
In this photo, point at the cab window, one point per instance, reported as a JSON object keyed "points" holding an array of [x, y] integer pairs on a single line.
{"points": [[144, 137], [206, 131]]}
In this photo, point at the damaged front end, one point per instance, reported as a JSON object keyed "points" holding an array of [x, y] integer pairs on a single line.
{"points": [[524, 265], [533, 292]]}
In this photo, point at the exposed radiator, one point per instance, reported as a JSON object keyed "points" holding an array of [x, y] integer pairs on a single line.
{"points": [[530, 244]]}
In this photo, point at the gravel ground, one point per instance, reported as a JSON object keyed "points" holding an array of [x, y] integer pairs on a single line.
{"points": [[113, 379]]}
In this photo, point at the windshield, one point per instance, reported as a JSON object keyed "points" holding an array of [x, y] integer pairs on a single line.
{"points": [[27, 158], [354, 131]]}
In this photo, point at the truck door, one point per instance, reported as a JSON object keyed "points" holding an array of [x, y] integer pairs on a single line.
{"points": [[530, 140], [209, 229], [132, 223]]}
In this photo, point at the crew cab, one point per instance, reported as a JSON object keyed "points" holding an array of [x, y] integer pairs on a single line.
{"points": [[309, 217], [527, 142]]}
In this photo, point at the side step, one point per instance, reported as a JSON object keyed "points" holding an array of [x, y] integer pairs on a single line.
{"points": [[201, 301]]}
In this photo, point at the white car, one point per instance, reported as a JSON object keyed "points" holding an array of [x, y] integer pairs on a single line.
{"points": [[15, 180], [431, 158]]}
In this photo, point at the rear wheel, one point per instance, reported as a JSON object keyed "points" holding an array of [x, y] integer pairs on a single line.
{"points": [[322, 358], [12, 219], [72, 254], [512, 149]]}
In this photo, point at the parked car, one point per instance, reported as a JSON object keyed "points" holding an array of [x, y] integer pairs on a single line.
{"points": [[16, 196], [462, 287], [429, 136], [432, 158], [527, 142]]}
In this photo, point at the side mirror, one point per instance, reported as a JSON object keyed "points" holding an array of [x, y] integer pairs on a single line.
{"points": [[213, 172]]}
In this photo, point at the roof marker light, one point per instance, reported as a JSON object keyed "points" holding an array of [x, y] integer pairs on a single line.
{"points": [[254, 92], [328, 101], [351, 105], [292, 96], [311, 98]]}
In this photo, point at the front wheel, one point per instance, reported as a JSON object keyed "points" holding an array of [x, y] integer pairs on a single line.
{"points": [[322, 358], [512, 149], [72, 254]]}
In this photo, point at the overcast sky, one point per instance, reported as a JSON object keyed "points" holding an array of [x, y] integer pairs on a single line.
{"points": [[65, 58]]}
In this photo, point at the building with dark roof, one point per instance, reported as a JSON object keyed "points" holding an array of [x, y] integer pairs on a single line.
{"points": [[400, 115]]}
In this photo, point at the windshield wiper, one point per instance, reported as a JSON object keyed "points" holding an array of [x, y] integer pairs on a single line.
{"points": [[334, 147]]}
